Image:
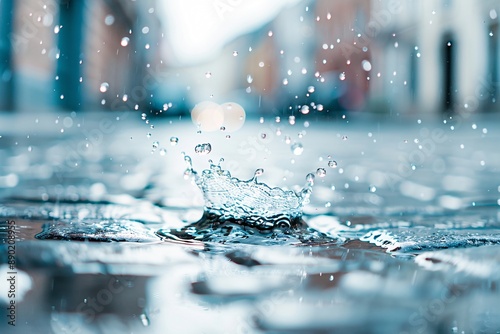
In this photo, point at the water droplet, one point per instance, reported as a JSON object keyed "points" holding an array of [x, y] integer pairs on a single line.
{"points": [[258, 172], [261, 64], [174, 141], [373, 189], [342, 76], [148, 135], [144, 320], [235, 53], [344, 137], [163, 151], [104, 87], [297, 148], [319, 107], [208, 75], [203, 148], [310, 178], [321, 172], [332, 164], [288, 140], [285, 82], [304, 109], [291, 120], [109, 20], [249, 78], [125, 41], [310, 89], [156, 144], [367, 66]]}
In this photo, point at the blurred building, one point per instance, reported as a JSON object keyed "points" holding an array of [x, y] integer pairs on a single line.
{"points": [[435, 56], [75, 54], [386, 56]]}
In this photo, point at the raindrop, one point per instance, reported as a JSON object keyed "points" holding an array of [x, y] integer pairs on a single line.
{"points": [[208, 75], [373, 189], [319, 107], [310, 179], [144, 320], [310, 89], [285, 82], [344, 137], [235, 53], [249, 78], [291, 120], [321, 172], [104, 87], [288, 140], [174, 141], [203, 148], [156, 144], [163, 151], [297, 148], [124, 41], [109, 20], [304, 109], [342, 76], [367, 66], [332, 164]]}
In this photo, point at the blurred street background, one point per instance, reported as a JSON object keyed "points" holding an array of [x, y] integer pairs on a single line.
{"points": [[370, 56]]}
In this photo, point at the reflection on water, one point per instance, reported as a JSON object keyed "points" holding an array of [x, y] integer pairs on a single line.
{"points": [[396, 237]]}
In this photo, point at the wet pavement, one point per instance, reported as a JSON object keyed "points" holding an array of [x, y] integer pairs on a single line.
{"points": [[410, 211]]}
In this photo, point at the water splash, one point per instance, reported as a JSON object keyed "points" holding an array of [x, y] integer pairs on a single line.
{"points": [[246, 210]]}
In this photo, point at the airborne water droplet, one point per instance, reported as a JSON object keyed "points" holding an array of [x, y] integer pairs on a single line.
{"points": [[124, 41], [156, 144], [144, 320], [203, 148], [297, 148], [332, 164], [304, 109], [174, 141], [321, 172], [104, 87], [258, 172]]}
